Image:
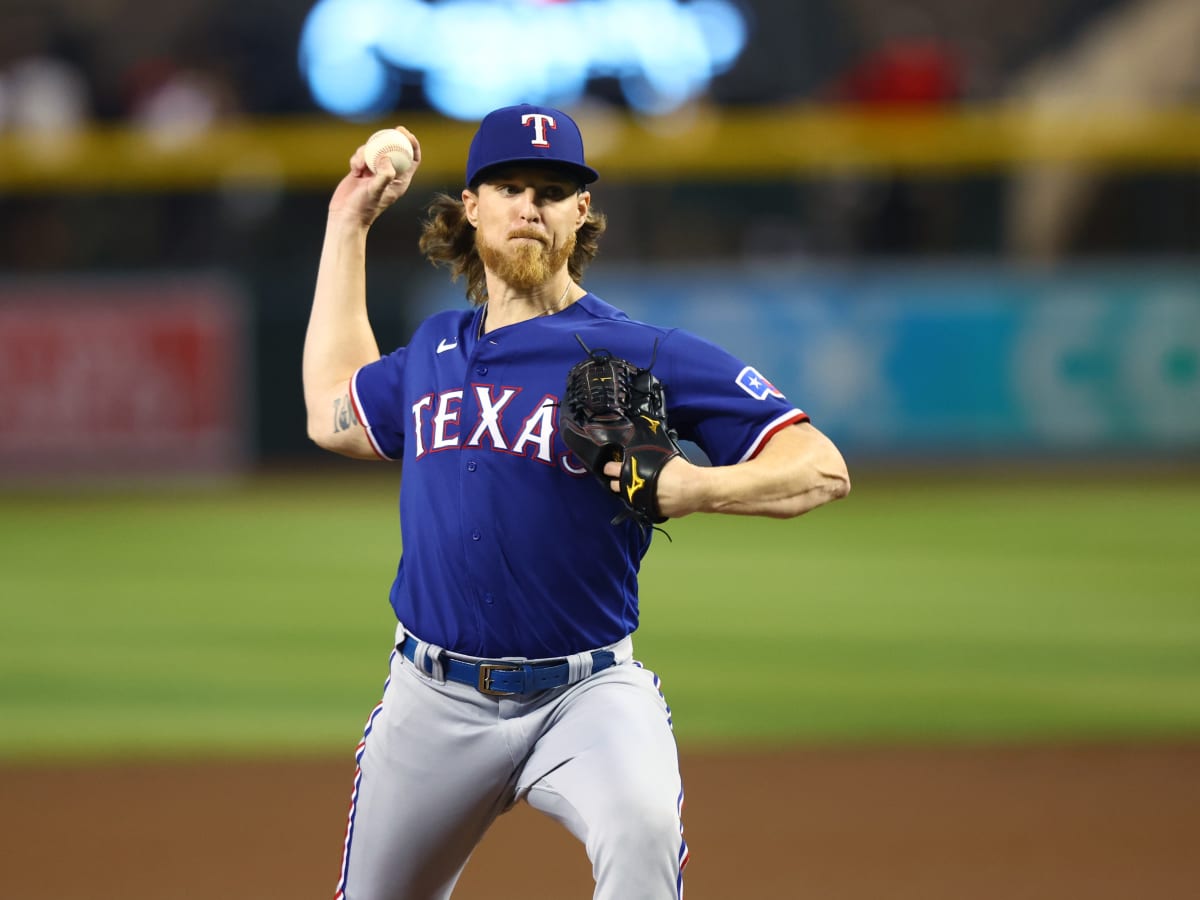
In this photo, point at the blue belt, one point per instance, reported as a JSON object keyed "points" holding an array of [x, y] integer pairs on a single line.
{"points": [[500, 678]]}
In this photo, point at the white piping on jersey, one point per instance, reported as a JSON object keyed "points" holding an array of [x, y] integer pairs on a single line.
{"points": [[771, 427], [362, 418]]}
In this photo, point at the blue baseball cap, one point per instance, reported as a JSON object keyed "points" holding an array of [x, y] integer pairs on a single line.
{"points": [[526, 134]]}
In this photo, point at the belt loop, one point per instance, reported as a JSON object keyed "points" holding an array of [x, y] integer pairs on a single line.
{"points": [[579, 667], [428, 658]]}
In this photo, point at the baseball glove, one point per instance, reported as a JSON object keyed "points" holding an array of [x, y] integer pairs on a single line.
{"points": [[613, 410]]}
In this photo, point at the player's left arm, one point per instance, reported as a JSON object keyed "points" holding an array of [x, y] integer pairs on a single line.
{"points": [[798, 470]]}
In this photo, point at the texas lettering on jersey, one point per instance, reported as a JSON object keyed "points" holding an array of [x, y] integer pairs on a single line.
{"points": [[437, 425]]}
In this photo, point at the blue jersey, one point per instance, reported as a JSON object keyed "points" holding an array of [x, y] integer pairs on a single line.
{"points": [[508, 546]]}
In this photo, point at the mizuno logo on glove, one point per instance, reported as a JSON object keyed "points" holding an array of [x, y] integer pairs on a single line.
{"points": [[614, 409]]}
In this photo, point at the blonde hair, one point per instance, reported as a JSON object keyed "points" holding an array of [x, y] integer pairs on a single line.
{"points": [[448, 239]]}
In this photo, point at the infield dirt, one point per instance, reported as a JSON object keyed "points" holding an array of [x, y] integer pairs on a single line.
{"points": [[1113, 822]]}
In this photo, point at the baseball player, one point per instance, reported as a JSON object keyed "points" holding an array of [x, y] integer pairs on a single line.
{"points": [[513, 677]]}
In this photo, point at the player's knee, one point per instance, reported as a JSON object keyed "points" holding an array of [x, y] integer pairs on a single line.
{"points": [[644, 827]]}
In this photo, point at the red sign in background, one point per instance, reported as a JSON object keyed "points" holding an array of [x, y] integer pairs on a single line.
{"points": [[134, 378]]}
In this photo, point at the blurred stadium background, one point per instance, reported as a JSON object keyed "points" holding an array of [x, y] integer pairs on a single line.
{"points": [[963, 235], [959, 229]]}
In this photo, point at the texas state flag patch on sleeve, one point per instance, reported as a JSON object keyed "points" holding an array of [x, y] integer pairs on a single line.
{"points": [[750, 381]]}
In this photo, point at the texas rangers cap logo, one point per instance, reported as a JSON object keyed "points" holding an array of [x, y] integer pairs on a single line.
{"points": [[540, 122], [529, 136], [750, 381]]}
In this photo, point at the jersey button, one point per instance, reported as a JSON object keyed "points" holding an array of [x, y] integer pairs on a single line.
{"points": [[472, 466], [481, 370], [475, 536]]}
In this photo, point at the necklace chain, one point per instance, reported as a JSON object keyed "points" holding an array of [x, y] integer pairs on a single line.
{"points": [[546, 312], [558, 305]]}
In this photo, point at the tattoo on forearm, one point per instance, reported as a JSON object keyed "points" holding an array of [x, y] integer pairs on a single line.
{"points": [[344, 416]]}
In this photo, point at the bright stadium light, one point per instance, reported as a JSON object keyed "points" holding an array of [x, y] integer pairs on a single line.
{"points": [[472, 56]]}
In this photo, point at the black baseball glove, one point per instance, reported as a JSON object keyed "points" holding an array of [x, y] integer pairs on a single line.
{"points": [[613, 410]]}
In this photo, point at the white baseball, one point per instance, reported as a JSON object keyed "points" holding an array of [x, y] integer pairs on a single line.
{"points": [[391, 143]]}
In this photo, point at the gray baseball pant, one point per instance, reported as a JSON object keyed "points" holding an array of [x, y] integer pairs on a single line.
{"points": [[439, 761]]}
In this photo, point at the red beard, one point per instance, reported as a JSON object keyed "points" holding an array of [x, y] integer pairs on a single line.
{"points": [[524, 265]]}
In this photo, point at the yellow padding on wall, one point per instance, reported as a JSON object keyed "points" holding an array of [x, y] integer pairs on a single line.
{"points": [[706, 144]]}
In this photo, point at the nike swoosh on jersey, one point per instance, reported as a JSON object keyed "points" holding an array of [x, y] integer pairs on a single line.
{"points": [[443, 346]]}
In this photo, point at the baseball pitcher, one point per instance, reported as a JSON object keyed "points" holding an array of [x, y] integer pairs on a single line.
{"points": [[538, 431]]}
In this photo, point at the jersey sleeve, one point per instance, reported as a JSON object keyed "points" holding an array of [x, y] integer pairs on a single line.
{"points": [[377, 390], [719, 402]]}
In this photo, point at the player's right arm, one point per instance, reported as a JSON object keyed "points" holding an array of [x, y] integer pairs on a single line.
{"points": [[340, 340]]}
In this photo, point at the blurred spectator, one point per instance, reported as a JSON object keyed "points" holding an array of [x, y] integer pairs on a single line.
{"points": [[173, 101], [903, 72], [911, 65], [43, 95], [43, 91]]}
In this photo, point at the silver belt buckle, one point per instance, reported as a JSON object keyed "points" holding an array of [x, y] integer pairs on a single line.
{"points": [[485, 678]]}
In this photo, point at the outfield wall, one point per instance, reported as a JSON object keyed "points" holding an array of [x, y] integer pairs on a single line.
{"points": [[956, 362]]}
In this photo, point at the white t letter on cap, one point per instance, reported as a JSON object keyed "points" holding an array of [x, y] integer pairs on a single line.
{"points": [[540, 120]]}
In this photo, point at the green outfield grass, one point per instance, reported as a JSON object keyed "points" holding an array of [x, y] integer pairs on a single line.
{"points": [[254, 619]]}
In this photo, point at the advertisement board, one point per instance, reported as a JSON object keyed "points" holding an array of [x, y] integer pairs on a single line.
{"points": [[122, 377]]}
